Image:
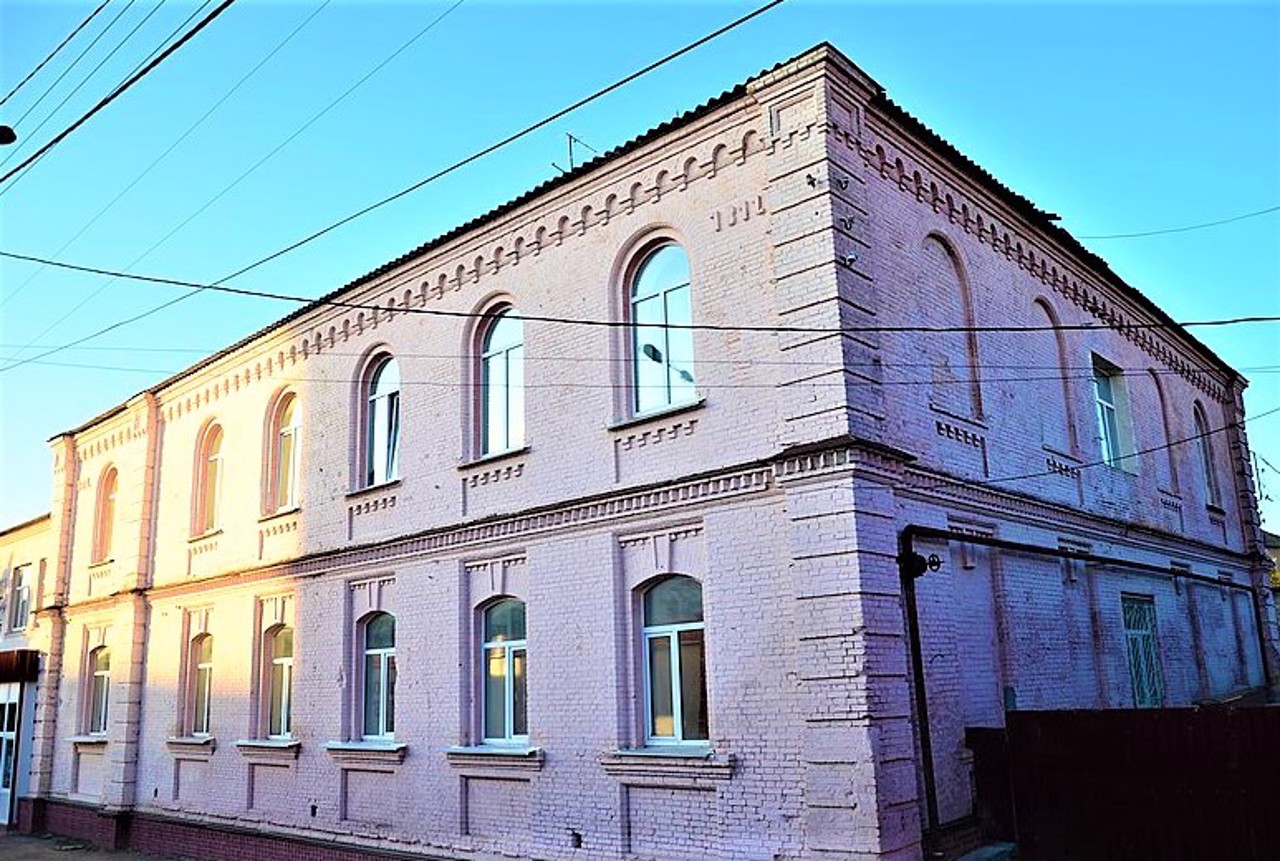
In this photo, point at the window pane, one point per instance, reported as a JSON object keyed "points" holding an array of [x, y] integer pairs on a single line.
{"points": [[391, 693], [284, 472], [504, 621], [680, 346], [102, 659], [393, 437], [662, 722], [282, 643], [495, 403], [666, 268], [200, 724], [693, 686], [275, 721], [650, 356], [372, 694], [380, 631], [495, 693], [674, 600], [211, 479], [6, 762], [518, 693]]}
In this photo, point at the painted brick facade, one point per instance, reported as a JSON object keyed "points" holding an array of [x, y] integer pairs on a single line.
{"points": [[819, 220]]}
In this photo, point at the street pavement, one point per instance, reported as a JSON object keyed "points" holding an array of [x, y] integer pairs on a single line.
{"points": [[21, 847]]}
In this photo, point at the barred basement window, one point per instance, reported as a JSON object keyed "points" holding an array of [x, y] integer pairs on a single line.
{"points": [[1144, 650]]}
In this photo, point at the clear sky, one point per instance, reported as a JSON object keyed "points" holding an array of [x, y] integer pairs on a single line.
{"points": [[1122, 118]]}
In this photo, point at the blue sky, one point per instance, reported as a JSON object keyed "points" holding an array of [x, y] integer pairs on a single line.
{"points": [[1121, 118]]}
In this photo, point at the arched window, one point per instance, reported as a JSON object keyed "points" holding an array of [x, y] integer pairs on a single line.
{"points": [[1204, 448], [502, 384], [382, 422], [505, 658], [280, 683], [201, 684], [283, 464], [209, 480], [661, 356], [380, 676], [105, 515], [674, 662], [99, 689], [942, 297]]}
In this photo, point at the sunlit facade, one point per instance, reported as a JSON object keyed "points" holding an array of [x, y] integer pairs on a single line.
{"points": [[492, 582]]}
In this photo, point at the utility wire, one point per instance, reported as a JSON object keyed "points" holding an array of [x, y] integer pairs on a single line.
{"points": [[261, 161], [139, 75], [155, 162], [528, 130], [53, 113], [1185, 228], [55, 51], [49, 89], [219, 287]]}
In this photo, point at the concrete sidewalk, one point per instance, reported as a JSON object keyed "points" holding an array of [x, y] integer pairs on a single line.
{"points": [[21, 847]]}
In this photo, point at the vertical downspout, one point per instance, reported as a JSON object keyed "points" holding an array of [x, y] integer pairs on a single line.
{"points": [[911, 566]]}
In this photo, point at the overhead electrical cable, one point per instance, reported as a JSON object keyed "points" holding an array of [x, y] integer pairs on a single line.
{"points": [[1185, 228], [155, 162], [86, 79], [139, 75], [528, 130], [227, 188], [55, 51], [219, 287]]}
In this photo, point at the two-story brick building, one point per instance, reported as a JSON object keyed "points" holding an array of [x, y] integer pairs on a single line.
{"points": [[589, 529]]}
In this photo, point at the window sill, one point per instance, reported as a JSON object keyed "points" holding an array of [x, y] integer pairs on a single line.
{"points": [[202, 745], [486, 460], [100, 563], [373, 488], [955, 416], [1215, 509], [365, 752], [497, 756], [88, 741], [657, 415], [270, 749], [680, 762], [204, 536], [284, 512]]}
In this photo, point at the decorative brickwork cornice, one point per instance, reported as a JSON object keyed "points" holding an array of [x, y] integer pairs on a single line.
{"points": [[1009, 236]]}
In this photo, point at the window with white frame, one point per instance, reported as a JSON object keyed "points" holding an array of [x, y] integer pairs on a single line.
{"points": [[280, 682], [661, 311], [283, 468], [675, 679], [1108, 395], [105, 515], [502, 383], [21, 602], [1204, 448], [1143, 650], [201, 697], [505, 658], [208, 486], [99, 690], [382, 422], [379, 703]]}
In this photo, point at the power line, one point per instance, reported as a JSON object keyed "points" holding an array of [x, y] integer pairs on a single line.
{"points": [[1185, 228], [49, 89], [190, 130], [527, 130], [219, 287], [261, 161], [136, 27], [55, 51], [133, 79]]}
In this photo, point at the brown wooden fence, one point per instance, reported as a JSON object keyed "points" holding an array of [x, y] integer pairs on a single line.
{"points": [[1145, 784]]}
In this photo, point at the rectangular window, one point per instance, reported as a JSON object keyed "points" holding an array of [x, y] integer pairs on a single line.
{"points": [[1143, 649], [21, 597], [1108, 421]]}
